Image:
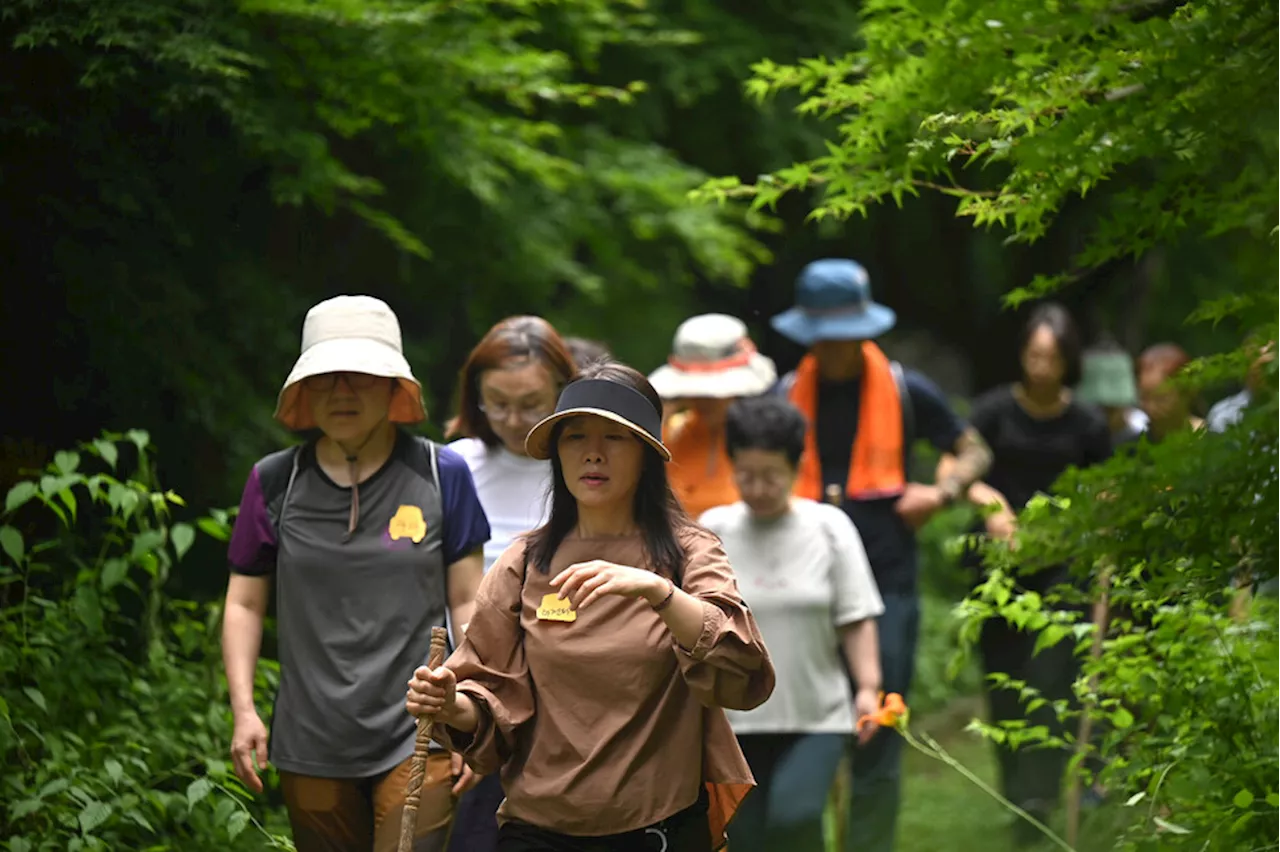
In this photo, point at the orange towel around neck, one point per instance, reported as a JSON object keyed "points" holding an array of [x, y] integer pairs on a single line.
{"points": [[876, 465]]}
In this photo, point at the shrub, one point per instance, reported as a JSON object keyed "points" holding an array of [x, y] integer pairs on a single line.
{"points": [[113, 712]]}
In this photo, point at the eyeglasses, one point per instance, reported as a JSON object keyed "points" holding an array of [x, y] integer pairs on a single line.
{"points": [[328, 381], [768, 478], [524, 414]]}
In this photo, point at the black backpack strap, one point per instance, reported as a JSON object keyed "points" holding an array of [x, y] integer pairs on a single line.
{"points": [[908, 414], [430, 457], [276, 474], [904, 399]]}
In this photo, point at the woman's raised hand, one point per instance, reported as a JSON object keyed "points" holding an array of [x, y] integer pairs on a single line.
{"points": [[583, 582]]}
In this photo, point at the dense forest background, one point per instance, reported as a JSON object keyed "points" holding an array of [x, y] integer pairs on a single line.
{"points": [[182, 180]]}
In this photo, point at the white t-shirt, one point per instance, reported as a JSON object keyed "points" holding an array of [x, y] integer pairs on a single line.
{"points": [[803, 574], [513, 491]]}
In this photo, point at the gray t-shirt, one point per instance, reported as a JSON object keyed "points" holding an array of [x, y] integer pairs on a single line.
{"points": [[354, 616]]}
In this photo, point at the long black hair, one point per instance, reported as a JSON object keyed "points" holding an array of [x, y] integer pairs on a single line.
{"points": [[656, 511]]}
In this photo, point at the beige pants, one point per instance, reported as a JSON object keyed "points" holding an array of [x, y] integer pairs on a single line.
{"points": [[363, 814]]}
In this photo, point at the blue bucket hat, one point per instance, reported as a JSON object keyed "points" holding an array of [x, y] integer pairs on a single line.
{"points": [[833, 302]]}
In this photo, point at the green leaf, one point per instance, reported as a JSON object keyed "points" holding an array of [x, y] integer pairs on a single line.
{"points": [[19, 494], [4, 710], [238, 822], [20, 844], [1273, 799], [1122, 718], [69, 500], [213, 529], [224, 810], [108, 451], [198, 790], [57, 785], [146, 542], [66, 462], [1170, 827], [37, 697], [50, 485], [136, 817], [182, 536], [88, 607], [139, 437], [25, 808], [94, 815], [173, 498], [114, 571], [114, 770], [1243, 800], [11, 541]]}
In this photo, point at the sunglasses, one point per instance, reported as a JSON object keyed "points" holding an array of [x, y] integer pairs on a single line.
{"points": [[328, 381]]}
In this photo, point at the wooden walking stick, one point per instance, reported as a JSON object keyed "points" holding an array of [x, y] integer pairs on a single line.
{"points": [[1100, 618], [418, 764]]}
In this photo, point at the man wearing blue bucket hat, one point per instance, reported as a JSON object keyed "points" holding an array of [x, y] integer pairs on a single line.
{"points": [[864, 413]]}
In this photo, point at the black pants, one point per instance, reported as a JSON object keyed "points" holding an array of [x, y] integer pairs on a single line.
{"points": [[1031, 775], [686, 831], [475, 823], [794, 773]]}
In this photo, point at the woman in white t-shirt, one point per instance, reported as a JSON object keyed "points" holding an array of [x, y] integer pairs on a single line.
{"points": [[802, 568], [510, 382]]}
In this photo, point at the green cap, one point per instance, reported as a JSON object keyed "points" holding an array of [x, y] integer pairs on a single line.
{"points": [[1106, 378]]}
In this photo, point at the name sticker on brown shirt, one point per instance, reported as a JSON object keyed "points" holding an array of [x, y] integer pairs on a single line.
{"points": [[555, 608]]}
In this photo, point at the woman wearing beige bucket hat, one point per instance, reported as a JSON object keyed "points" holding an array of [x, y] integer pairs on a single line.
{"points": [[712, 363], [604, 647], [369, 536]]}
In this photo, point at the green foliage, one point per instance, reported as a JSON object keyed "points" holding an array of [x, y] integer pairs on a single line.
{"points": [[1184, 690], [113, 721], [1141, 126], [205, 171], [1016, 110]]}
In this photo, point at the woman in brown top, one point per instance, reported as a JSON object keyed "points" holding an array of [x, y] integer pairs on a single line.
{"points": [[603, 648]]}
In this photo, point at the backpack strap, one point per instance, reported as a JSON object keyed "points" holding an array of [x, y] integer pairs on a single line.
{"points": [[431, 455], [276, 474], [908, 410]]}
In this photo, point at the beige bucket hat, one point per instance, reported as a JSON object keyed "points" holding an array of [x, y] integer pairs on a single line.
{"points": [[712, 356], [352, 334]]}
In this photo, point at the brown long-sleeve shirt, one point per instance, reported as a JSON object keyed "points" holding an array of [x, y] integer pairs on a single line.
{"points": [[605, 724]]}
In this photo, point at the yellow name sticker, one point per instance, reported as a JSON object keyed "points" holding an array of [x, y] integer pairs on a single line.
{"points": [[555, 608], [408, 523]]}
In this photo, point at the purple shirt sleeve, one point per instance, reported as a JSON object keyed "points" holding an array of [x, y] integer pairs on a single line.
{"points": [[466, 527], [253, 539]]}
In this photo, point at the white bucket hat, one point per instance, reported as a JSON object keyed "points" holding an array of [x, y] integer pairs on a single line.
{"points": [[351, 334], [712, 356]]}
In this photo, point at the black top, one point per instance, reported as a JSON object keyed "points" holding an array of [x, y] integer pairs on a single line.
{"points": [[1029, 453], [889, 542]]}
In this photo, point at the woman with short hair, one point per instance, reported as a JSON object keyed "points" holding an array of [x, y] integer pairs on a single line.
{"points": [[802, 567]]}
